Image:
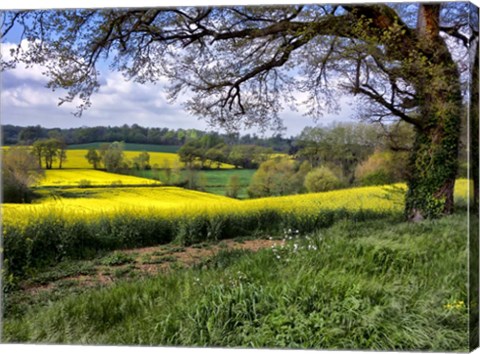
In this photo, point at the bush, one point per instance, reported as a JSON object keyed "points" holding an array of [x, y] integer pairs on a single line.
{"points": [[279, 176], [321, 179], [382, 167], [84, 183], [20, 170]]}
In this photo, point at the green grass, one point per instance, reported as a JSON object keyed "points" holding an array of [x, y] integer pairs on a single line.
{"points": [[129, 147], [215, 181], [378, 285]]}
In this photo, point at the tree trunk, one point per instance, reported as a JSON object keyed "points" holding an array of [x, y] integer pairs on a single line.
{"points": [[433, 168], [433, 163]]}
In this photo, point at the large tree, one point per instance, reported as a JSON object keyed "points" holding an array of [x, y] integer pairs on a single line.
{"points": [[242, 64]]}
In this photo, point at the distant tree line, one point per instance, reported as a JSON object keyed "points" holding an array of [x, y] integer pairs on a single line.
{"points": [[210, 151], [12, 135]]}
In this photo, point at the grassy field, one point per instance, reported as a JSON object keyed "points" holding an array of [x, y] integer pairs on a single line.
{"points": [[129, 147], [211, 181], [371, 285]]}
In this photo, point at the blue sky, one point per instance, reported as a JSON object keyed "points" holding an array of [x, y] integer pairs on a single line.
{"points": [[26, 101]]}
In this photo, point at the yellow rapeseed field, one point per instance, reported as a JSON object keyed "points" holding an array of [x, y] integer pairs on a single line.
{"points": [[177, 201], [75, 221], [85, 177], [76, 159], [110, 199]]}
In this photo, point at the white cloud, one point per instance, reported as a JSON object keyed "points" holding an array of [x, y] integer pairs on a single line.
{"points": [[32, 73], [118, 102], [26, 101]]}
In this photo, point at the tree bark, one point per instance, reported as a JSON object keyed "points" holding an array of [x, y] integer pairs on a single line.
{"points": [[433, 161]]}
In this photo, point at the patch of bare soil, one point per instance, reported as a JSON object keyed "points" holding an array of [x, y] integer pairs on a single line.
{"points": [[149, 261]]}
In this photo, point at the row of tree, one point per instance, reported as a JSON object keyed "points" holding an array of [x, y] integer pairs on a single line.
{"points": [[48, 151], [134, 133], [208, 153], [112, 158]]}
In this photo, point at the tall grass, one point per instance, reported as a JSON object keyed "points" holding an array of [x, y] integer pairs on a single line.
{"points": [[379, 285], [55, 235]]}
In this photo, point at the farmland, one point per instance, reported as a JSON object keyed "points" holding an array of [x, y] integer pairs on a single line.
{"points": [[100, 248], [115, 218], [211, 181], [88, 177], [308, 178], [76, 158]]}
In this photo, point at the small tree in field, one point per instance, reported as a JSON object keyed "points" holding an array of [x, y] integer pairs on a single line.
{"points": [[93, 158], [113, 157], [142, 161], [279, 176], [233, 186], [321, 179]]}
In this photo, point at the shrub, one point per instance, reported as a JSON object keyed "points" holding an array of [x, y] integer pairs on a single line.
{"points": [[20, 170], [84, 183], [382, 167], [321, 179], [279, 176]]}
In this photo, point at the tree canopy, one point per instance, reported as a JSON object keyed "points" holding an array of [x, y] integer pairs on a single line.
{"points": [[242, 65]]}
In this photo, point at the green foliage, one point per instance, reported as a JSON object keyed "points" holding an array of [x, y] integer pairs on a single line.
{"points": [[142, 161], [321, 179], [233, 186], [382, 167], [93, 157], [343, 145], [116, 259], [129, 147], [278, 176], [20, 170], [112, 156], [375, 285]]}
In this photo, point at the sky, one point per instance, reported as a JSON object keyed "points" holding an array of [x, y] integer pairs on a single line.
{"points": [[24, 100]]}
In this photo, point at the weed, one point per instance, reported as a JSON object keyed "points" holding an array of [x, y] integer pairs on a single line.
{"points": [[116, 259]]}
